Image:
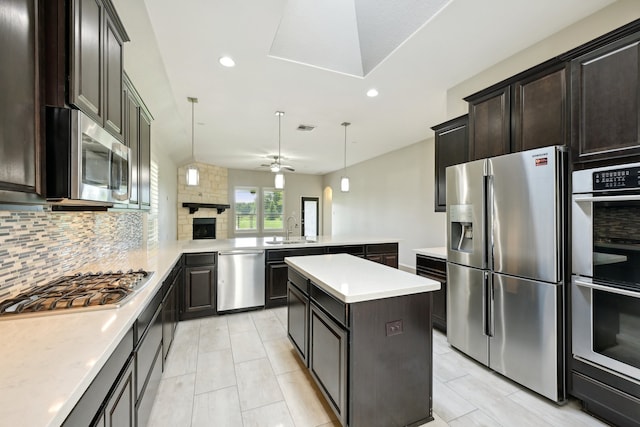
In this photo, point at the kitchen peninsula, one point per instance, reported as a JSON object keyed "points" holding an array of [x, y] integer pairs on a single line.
{"points": [[364, 331], [38, 392]]}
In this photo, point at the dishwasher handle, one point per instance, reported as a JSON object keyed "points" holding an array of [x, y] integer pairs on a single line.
{"points": [[242, 252]]}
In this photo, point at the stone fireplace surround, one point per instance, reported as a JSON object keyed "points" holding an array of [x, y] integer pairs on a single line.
{"points": [[213, 188]]}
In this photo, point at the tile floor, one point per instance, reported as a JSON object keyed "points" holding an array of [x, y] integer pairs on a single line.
{"points": [[240, 370]]}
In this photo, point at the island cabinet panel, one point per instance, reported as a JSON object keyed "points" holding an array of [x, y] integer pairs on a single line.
{"points": [[605, 92], [328, 360], [198, 299], [298, 313], [390, 358], [435, 269]]}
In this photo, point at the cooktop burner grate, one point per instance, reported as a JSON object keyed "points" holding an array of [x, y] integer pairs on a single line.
{"points": [[86, 290]]}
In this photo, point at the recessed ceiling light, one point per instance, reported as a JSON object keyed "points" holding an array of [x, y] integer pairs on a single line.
{"points": [[372, 93], [226, 61]]}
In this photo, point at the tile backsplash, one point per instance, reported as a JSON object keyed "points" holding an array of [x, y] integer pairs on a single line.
{"points": [[36, 247]]}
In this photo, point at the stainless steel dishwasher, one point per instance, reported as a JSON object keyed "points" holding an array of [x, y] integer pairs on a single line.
{"points": [[240, 279]]}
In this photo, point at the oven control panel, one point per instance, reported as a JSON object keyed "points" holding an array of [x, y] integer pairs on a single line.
{"points": [[613, 179]]}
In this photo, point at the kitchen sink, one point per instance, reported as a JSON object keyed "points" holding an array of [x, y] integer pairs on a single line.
{"points": [[289, 242]]}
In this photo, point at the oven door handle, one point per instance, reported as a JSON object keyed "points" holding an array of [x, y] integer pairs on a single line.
{"points": [[605, 288], [619, 198]]}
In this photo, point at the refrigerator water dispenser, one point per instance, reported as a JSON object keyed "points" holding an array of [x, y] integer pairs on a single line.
{"points": [[461, 228]]}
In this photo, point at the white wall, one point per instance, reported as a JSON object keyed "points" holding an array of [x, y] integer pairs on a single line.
{"points": [[391, 196], [296, 186]]}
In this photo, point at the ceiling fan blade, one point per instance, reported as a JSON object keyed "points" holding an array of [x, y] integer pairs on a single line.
{"points": [[289, 168]]}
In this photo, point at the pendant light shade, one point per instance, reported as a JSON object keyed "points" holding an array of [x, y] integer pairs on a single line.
{"points": [[344, 184], [279, 179], [193, 175], [344, 181]]}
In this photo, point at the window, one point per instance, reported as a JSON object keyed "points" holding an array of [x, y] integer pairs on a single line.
{"points": [[259, 210], [272, 206], [246, 208]]}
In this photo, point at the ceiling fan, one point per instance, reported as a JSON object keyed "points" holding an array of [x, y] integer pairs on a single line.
{"points": [[277, 166]]}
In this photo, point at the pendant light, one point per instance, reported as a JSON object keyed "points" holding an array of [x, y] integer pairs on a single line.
{"points": [[344, 181], [279, 180], [193, 175]]}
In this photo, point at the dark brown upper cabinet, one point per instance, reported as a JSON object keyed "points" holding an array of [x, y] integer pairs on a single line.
{"points": [[526, 111], [94, 61], [137, 126], [20, 122], [144, 161], [605, 89], [539, 112], [489, 124], [451, 148]]}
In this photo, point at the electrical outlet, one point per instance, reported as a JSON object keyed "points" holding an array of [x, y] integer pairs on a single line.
{"points": [[394, 328]]}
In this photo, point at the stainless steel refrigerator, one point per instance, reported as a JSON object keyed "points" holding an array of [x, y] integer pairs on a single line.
{"points": [[505, 265]]}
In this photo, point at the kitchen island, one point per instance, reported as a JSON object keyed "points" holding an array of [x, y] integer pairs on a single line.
{"points": [[364, 331]]}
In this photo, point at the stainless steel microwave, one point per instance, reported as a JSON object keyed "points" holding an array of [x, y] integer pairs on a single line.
{"points": [[86, 165]]}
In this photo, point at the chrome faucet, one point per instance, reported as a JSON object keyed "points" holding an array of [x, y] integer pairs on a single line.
{"points": [[288, 230]]}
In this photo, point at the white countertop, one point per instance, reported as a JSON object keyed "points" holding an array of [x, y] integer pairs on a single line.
{"points": [[47, 362], [352, 279], [436, 252]]}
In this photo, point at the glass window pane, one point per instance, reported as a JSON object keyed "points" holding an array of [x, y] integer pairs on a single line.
{"points": [[273, 209], [246, 208]]}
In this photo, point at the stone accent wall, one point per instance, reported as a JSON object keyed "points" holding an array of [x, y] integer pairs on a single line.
{"points": [[36, 247], [213, 188]]}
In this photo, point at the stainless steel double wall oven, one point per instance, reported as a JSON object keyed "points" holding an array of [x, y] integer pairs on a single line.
{"points": [[606, 268], [605, 292]]}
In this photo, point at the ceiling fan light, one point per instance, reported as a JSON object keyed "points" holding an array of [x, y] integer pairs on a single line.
{"points": [[193, 176], [227, 61], [279, 181], [275, 168], [344, 184]]}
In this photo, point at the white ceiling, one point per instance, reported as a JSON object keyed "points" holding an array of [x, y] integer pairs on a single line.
{"points": [[175, 46]]}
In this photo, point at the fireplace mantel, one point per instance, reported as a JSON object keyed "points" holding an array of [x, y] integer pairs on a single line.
{"points": [[194, 206]]}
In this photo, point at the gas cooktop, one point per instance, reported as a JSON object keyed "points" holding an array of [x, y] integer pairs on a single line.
{"points": [[84, 291]]}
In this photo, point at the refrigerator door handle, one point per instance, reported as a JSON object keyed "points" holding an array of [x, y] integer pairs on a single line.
{"points": [[489, 219], [491, 317], [486, 304]]}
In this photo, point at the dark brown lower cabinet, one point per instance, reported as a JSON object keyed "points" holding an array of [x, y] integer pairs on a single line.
{"points": [[276, 284], [298, 314], [276, 273], [435, 269], [328, 359], [608, 396], [120, 409], [90, 409], [199, 297], [383, 253], [170, 307]]}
